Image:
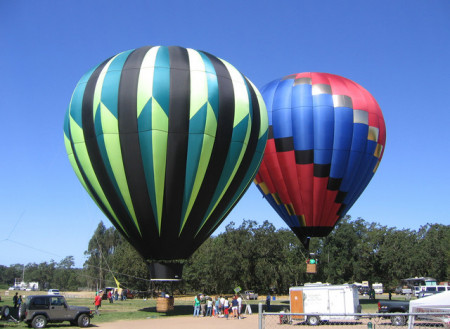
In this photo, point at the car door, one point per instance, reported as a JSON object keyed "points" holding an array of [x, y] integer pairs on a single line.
{"points": [[58, 308]]}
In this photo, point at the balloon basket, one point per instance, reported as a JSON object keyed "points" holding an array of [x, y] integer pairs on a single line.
{"points": [[164, 305], [311, 268]]}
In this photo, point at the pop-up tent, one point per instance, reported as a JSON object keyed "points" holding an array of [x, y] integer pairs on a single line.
{"points": [[438, 303]]}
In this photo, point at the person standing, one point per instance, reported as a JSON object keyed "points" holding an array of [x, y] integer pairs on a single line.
{"points": [[234, 307], [217, 307], [16, 299], [268, 302], [197, 305], [239, 299], [203, 304], [98, 302], [209, 305]]}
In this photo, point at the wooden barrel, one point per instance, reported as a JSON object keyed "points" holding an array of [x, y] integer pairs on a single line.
{"points": [[164, 305]]}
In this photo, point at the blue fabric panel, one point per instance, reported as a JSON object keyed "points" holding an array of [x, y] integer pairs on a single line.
{"points": [[302, 118], [110, 88], [343, 128], [213, 86], [323, 133], [323, 156], [282, 99], [161, 79], [343, 133], [360, 132], [352, 167], [282, 123], [339, 163], [76, 104]]}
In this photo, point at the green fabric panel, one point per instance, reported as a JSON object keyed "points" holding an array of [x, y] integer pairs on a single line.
{"points": [[81, 153], [115, 161], [198, 84], [146, 78], [159, 141], [241, 98], [97, 98]]}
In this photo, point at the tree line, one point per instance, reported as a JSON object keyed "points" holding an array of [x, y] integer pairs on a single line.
{"points": [[259, 257]]}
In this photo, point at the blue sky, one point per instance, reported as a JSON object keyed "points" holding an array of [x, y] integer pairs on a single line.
{"points": [[398, 50]]}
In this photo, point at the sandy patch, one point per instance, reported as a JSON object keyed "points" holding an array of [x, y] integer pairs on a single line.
{"points": [[248, 321]]}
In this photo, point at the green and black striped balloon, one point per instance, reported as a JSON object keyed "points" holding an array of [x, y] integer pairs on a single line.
{"points": [[165, 140]]}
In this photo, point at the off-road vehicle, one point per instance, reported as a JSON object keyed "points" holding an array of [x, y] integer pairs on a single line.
{"points": [[39, 310]]}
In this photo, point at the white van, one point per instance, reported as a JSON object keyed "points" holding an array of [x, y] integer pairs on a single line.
{"points": [[319, 300]]}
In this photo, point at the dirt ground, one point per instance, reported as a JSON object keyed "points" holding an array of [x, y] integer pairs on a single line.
{"points": [[185, 322]]}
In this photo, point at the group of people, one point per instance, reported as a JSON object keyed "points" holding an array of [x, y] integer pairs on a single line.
{"points": [[17, 300], [218, 306]]}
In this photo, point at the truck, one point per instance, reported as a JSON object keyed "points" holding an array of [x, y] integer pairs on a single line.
{"points": [[317, 301], [387, 306]]}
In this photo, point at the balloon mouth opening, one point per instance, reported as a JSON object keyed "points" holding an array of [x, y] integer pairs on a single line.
{"points": [[162, 271]]}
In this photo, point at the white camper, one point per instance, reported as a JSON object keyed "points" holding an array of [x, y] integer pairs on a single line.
{"points": [[318, 301]]}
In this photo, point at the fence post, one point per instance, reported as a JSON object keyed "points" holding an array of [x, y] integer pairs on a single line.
{"points": [[260, 316]]}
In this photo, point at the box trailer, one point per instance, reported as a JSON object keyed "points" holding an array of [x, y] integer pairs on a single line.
{"points": [[324, 302]]}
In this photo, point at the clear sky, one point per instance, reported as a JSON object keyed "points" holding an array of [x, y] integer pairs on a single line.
{"points": [[398, 50]]}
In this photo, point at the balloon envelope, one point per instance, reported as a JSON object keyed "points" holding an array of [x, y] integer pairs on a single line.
{"points": [[326, 139], [165, 140]]}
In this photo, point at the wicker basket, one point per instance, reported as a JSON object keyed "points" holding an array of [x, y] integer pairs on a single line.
{"points": [[164, 305]]}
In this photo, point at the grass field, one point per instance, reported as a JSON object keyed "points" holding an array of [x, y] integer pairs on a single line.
{"points": [[133, 309]]}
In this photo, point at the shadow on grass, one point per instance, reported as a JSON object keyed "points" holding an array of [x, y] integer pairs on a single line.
{"points": [[189, 310]]}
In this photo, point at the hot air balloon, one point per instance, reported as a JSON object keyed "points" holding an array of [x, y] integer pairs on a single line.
{"points": [[326, 139], [165, 140]]}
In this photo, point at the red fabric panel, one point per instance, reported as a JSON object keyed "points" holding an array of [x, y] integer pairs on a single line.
{"points": [[287, 165], [320, 190], [305, 175]]}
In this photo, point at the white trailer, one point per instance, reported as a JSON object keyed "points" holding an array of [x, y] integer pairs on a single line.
{"points": [[316, 302]]}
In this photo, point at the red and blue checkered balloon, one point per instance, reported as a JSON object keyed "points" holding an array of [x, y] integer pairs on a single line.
{"points": [[326, 139]]}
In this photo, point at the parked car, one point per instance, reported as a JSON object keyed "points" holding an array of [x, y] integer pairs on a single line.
{"points": [[39, 310], [53, 292], [250, 294]]}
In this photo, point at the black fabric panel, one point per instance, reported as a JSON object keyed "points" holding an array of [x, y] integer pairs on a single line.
{"points": [[270, 133], [341, 209], [304, 157], [340, 197], [334, 183], [95, 156], [284, 144], [177, 145], [219, 152], [242, 170], [312, 231], [165, 271], [322, 170], [131, 153]]}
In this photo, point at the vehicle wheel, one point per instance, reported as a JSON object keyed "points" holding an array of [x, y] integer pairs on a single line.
{"points": [[398, 320], [5, 312], [21, 314], [39, 321], [83, 321], [313, 320]]}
